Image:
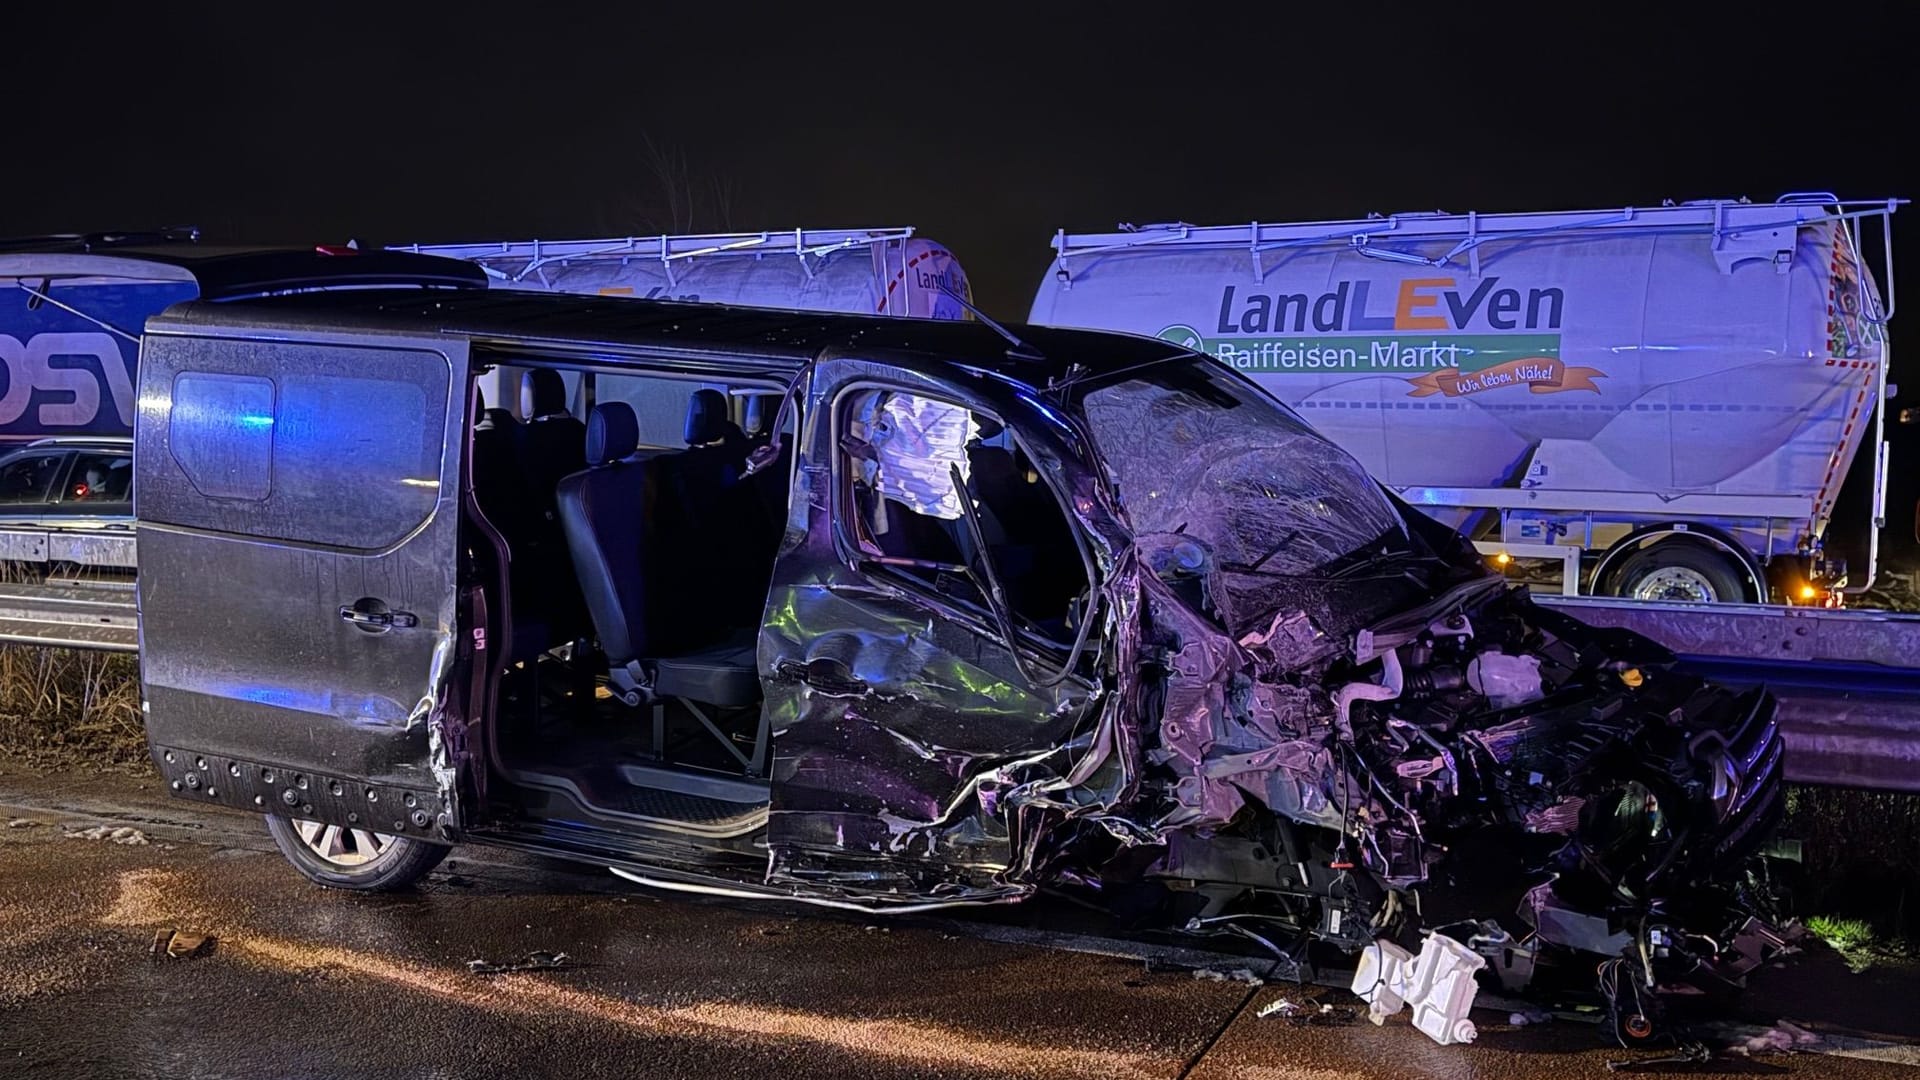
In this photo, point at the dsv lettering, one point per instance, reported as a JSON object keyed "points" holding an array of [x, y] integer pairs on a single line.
{"points": [[29, 368]]}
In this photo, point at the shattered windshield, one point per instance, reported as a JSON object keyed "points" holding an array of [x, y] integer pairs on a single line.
{"points": [[1193, 452]]}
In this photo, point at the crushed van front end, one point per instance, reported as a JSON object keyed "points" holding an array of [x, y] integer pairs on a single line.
{"points": [[1351, 732], [1550, 795]]}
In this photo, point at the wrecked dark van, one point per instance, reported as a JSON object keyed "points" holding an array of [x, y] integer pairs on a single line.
{"points": [[896, 614]]}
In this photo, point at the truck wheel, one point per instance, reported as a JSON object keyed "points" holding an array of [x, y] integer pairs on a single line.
{"points": [[1684, 570], [353, 858]]}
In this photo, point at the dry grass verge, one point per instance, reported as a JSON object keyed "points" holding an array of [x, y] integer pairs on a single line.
{"points": [[70, 708]]}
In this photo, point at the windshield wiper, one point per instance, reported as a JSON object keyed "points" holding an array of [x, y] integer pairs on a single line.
{"points": [[1255, 566], [1380, 558]]}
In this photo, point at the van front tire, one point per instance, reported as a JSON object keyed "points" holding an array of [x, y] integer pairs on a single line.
{"points": [[357, 859]]}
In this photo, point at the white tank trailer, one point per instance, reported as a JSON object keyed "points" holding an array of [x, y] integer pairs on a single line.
{"points": [[854, 271], [1664, 399]]}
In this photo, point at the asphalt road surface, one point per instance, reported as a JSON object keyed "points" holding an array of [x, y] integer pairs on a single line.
{"points": [[305, 982]]}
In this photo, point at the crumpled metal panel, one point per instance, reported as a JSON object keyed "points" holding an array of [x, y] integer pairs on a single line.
{"points": [[925, 751], [895, 770], [1229, 733]]}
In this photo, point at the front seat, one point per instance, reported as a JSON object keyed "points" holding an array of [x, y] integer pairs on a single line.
{"points": [[726, 519], [710, 428], [615, 524]]}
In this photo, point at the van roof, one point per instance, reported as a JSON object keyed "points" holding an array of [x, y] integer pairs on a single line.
{"points": [[573, 323], [227, 272]]}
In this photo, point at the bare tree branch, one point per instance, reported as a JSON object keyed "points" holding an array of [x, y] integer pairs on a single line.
{"points": [[679, 198]]}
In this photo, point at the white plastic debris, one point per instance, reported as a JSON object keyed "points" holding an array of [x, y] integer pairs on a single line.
{"points": [[1437, 985], [1506, 680], [1242, 975], [1801, 1036], [121, 835], [1381, 980], [1782, 1038], [1279, 1007]]}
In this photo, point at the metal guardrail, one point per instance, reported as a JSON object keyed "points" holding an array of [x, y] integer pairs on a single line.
{"points": [[73, 615], [1848, 682]]}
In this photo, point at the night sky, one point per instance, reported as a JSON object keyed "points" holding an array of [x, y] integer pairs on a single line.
{"points": [[985, 127]]}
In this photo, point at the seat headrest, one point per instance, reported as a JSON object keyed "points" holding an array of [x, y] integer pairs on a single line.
{"points": [[493, 419], [613, 432], [707, 419], [759, 414], [542, 393], [988, 427]]}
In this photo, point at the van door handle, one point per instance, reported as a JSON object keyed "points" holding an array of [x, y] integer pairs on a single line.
{"points": [[372, 616]]}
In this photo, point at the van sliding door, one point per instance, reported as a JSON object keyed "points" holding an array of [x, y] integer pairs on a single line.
{"points": [[298, 504]]}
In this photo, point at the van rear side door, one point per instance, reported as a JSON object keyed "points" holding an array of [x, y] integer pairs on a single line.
{"points": [[298, 503]]}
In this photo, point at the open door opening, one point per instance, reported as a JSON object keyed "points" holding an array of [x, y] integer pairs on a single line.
{"points": [[622, 553]]}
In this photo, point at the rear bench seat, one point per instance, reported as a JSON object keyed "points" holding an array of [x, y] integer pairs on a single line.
{"points": [[629, 537]]}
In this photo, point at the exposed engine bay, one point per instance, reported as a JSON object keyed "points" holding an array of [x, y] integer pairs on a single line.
{"points": [[1549, 795]]}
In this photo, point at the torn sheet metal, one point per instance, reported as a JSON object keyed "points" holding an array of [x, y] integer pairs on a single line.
{"points": [[1300, 702]]}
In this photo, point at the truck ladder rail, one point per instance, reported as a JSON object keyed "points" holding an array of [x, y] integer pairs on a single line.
{"points": [[1725, 219], [800, 243]]}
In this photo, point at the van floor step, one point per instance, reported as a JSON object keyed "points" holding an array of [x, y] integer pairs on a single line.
{"points": [[680, 806], [604, 792]]}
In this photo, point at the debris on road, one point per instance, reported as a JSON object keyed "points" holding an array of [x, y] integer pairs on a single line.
{"points": [[1693, 1053], [1531, 1016], [1309, 1015], [22, 823], [533, 961], [1437, 984], [1782, 1038], [122, 835], [180, 944], [1240, 975]]}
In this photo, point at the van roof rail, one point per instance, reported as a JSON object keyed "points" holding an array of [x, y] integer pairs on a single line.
{"points": [[243, 273], [270, 273], [88, 243]]}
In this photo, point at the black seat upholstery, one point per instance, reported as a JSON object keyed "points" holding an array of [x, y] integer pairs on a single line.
{"points": [[724, 524], [499, 483], [628, 542], [505, 499], [725, 675], [709, 425], [760, 413], [604, 510], [552, 442]]}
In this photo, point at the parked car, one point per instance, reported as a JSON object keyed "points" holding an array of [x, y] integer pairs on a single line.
{"points": [[67, 502], [972, 611]]}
